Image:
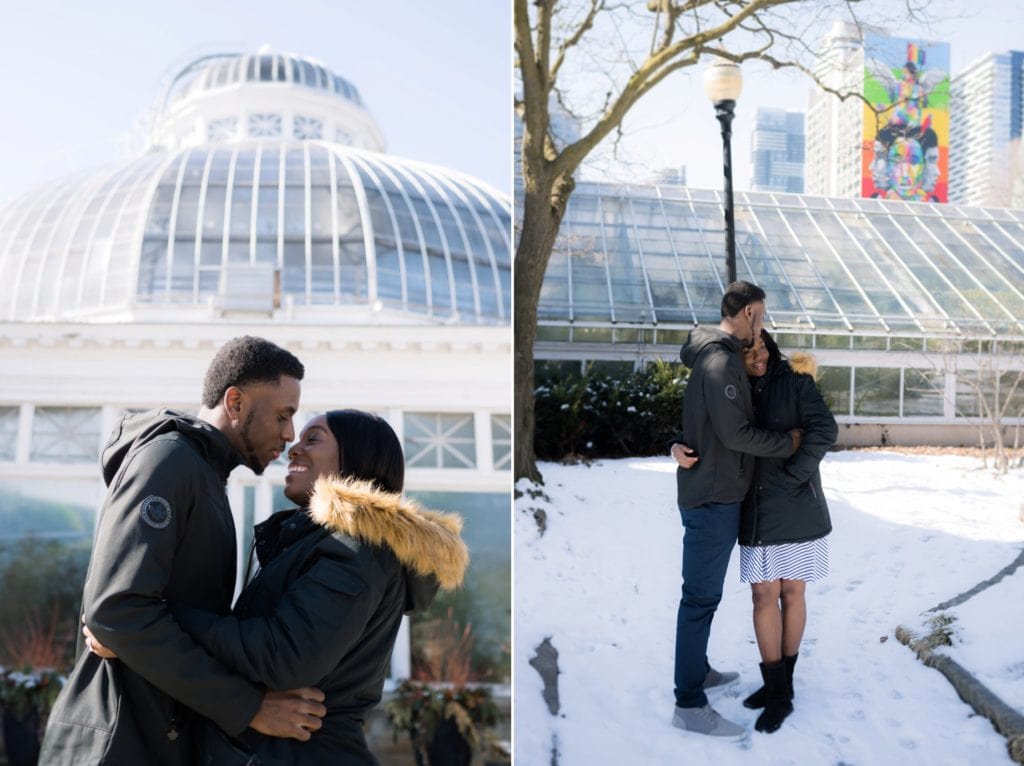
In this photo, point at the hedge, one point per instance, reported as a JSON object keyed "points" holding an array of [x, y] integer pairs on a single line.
{"points": [[591, 414]]}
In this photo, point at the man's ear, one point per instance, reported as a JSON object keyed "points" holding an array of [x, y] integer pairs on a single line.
{"points": [[232, 400]]}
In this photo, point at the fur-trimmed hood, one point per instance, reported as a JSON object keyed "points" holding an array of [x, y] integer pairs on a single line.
{"points": [[803, 363], [427, 542]]}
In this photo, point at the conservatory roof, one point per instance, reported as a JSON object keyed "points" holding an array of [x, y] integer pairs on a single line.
{"points": [[260, 227], [643, 256]]}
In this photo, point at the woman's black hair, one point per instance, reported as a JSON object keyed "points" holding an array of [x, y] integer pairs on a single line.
{"points": [[368, 448], [774, 353]]}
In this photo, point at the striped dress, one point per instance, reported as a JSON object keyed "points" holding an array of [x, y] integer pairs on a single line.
{"points": [[807, 561]]}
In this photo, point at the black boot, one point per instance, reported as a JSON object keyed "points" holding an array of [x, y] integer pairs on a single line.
{"points": [[778, 703], [758, 698]]}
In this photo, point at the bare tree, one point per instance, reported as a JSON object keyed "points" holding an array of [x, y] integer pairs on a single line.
{"points": [[995, 380], [557, 39]]}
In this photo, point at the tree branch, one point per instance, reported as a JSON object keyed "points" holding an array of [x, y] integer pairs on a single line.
{"points": [[596, 6]]}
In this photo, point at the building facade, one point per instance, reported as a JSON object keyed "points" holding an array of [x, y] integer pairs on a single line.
{"points": [[265, 205], [985, 142], [777, 151]]}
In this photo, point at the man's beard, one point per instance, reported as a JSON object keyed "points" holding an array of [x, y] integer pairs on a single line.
{"points": [[249, 454]]}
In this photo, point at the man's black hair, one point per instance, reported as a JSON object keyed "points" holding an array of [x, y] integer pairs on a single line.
{"points": [[247, 360], [738, 296]]}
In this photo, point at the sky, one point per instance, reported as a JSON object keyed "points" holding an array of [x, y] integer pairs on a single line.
{"points": [[675, 125], [436, 76], [910, 531]]}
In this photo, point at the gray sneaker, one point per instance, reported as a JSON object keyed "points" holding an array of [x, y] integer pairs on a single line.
{"points": [[715, 679], [705, 720]]}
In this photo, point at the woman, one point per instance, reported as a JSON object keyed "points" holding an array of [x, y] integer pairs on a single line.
{"points": [[336, 575], [784, 520]]}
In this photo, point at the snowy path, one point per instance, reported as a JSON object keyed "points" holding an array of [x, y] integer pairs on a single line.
{"points": [[910, 532]]}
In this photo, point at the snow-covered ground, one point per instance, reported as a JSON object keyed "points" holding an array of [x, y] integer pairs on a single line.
{"points": [[910, 531]]}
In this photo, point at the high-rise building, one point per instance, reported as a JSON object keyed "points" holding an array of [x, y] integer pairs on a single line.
{"points": [[984, 154], [833, 126], [777, 151]]}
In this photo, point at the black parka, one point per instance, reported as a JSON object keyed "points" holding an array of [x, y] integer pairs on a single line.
{"points": [[718, 422], [164, 535], [786, 503], [324, 611]]}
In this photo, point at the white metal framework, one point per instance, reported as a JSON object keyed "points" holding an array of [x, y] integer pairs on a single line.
{"points": [[632, 259], [332, 225]]}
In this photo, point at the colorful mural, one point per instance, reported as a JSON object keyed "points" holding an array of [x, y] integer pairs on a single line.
{"points": [[906, 119]]}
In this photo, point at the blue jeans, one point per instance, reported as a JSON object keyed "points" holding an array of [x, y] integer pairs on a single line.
{"points": [[710, 532]]}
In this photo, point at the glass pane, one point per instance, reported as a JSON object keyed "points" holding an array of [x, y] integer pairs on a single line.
{"points": [[8, 432], [439, 440], [66, 434], [834, 384], [501, 441], [55, 508], [923, 392], [483, 605], [984, 391], [876, 391]]}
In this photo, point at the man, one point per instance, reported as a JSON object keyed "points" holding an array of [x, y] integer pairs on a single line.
{"points": [[165, 535], [717, 417]]}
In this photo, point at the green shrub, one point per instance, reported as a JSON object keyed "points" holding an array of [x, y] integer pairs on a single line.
{"points": [[594, 415]]}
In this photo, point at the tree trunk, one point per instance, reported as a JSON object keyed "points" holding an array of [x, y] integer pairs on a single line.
{"points": [[542, 215]]}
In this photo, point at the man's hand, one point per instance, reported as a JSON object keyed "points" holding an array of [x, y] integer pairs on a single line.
{"points": [[291, 714], [797, 436], [95, 646], [685, 456]]}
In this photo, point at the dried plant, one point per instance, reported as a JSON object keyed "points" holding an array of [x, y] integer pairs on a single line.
{"points": [[447, 651], [36, 642]]}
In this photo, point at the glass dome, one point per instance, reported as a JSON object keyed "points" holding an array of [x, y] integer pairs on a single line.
{"points": [[287, 222], [223, 70], [267, 95]]}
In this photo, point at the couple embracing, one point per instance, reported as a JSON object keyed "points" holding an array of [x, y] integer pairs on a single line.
{"points": [[755, 429], [176, 675]]}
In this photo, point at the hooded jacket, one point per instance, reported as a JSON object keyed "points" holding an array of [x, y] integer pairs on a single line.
{"points": [[718, 421], [325, 608], [786, 503], [164, 535]]}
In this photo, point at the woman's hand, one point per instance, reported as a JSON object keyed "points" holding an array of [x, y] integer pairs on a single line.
{"points": [[685, 456]]}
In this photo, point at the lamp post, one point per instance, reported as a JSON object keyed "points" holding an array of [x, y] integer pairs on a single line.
{"points": [[723, 82]]}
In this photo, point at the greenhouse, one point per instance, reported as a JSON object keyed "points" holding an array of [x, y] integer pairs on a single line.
{"points": [[914, 311]]}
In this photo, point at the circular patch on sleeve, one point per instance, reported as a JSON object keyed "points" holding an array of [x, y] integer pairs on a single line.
{"points": [[156, 511], [730, 391]]}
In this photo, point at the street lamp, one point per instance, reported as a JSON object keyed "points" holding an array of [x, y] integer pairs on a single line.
{"points": [[723, 82]]}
